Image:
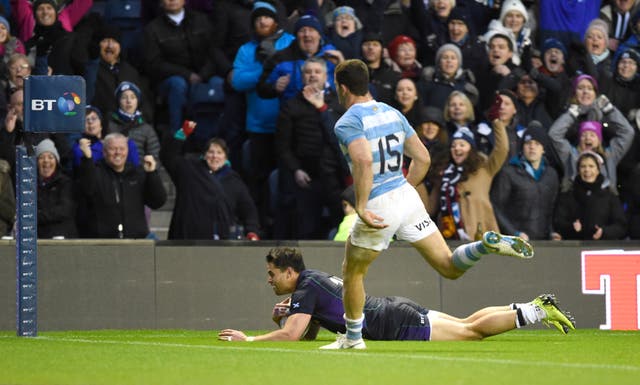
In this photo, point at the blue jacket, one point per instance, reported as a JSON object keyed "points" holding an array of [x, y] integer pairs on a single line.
{"points": [[289, 61], [261, 113]]}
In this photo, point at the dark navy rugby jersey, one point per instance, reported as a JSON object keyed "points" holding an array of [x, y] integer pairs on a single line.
{"points": [[320, 295]]}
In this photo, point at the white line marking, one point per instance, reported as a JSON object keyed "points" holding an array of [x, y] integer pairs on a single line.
{"points": [[355, 354]]}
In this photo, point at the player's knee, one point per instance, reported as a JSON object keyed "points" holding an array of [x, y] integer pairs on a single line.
{"points": [[451, 272]]}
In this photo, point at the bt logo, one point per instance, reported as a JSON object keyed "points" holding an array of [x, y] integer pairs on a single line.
{"points": [[66, 104]]}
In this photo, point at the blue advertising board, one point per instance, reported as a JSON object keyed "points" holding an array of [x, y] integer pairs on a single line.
{"points": [[54, 103]]}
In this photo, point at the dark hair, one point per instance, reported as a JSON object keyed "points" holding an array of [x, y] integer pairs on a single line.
{"points": [[283, 257], [475, 160], [220, 142], [353, 74]]}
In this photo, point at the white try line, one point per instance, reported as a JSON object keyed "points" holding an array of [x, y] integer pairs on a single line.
{"points": [[429, 357]]}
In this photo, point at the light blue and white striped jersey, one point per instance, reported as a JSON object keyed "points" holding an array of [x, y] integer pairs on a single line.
{"points": [[386, 129]]}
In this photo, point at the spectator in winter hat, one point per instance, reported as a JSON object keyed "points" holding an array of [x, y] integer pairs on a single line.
{"points": [[281, 76], [596, 41], [446, 77], [624, 88], [403, 53], [128, 120], [345, 32], [56, 207], [551, 76], [462, 33], [514, 16]]}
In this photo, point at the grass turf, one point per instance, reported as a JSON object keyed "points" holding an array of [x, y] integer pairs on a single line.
{"points": [[196, 357]]}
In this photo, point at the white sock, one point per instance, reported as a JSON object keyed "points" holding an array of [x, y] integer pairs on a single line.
{"points": [[529, 314], [354, 327]]}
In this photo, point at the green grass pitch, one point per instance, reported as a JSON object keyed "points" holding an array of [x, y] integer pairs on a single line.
{"points": [[520, 357]]}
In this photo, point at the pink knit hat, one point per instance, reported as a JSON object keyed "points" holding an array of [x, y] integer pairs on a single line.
{"points": [[591, 125]]}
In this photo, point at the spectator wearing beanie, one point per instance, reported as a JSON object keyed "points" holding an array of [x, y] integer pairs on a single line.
{"points": [[527, 180], [382, 77], [447, 76], [22, 12], [282, 76], [623, 89], [345, 32], [463, 35], [56, 205], [596, 41], [552, 77], [128, 120], [515, 17], [589, 210], [403, 53]]}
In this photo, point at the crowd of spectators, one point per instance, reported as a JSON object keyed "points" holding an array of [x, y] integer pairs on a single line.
{"points": [[530, 111]]}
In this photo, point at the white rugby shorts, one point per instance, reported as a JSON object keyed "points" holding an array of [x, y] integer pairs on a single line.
{"points": [[401, 209]]}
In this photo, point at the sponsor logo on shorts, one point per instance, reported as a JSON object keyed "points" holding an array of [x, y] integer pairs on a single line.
{"points": [[423, 225]]}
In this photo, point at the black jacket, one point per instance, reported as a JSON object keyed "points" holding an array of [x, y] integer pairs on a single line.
{"points": [[624, 94], [305, 138], [119, 198], [171, 49], [435, 88], [592, 205], [522, 204], [207, 205], [56, 207], [383, 80], [534, 111]]}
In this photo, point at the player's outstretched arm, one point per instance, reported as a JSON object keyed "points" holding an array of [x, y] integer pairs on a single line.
{"points": [[293, 330]]}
